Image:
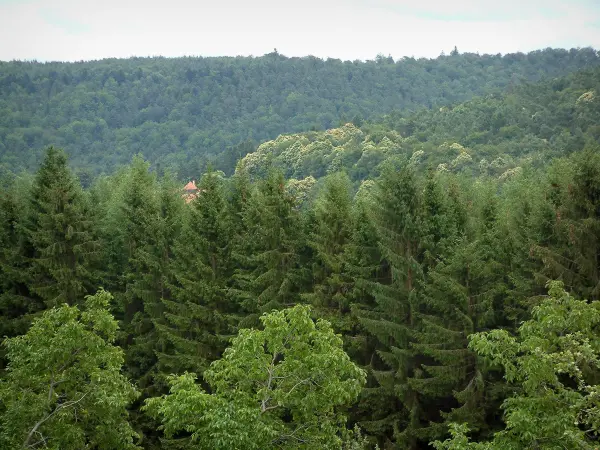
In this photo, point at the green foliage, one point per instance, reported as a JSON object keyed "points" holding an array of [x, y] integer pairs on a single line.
{"points": [[575, 202], [461, 214], [63, 386], [60, 233], [267, 250], [331, 235], [492, 135], [17, 302], [199, 316], [553, 364], [459, 440], [281, 387], [396, 212], [182, 112]]}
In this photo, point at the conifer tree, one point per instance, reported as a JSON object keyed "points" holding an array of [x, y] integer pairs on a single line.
{"points": [[145, 221], [397, 219], [329, 240], [439, 225], [17, 302], [198, 317], [267, 276], [139, 226], [61, 234], [459, 296], [574, 256], [363, 267], [151, 213]]}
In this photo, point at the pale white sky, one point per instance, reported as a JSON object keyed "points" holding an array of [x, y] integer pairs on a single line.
{"points": [[346, 29]]}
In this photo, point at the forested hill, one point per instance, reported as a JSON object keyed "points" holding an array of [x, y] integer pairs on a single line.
{"points": [[492, 135], [179, 112]]}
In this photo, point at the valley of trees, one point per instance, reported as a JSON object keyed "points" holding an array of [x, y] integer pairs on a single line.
{"points": [[424, 279]]}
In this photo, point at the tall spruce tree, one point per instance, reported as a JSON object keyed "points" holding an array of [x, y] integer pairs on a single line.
{"points": [[146, 216], [574, 257], [61, 234], [199, 317], [329, 241], [397, 209], [17, 302], [450, 380], [463, 294], [138, 223], [266, 252]]}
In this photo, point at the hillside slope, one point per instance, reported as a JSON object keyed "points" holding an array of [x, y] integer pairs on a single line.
{"points": [[492, 135], [181, 112]]}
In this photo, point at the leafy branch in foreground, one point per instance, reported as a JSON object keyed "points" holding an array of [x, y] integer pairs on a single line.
{"points": [[281, 387], [63, 386], [554, 363]]}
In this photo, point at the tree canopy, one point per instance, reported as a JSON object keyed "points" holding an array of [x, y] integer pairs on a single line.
{"points": [[183, 112], [279, 387]]}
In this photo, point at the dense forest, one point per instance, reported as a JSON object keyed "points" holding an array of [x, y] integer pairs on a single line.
{"points": [[183, 113], [492, 135], [426, 278]]}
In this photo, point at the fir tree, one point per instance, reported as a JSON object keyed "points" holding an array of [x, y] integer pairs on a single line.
{"points": [[575, 256], [146, 221], [329, 240], [153, 211], [461, 295], [267, 252], [199, 316], [61, 234], [397, 219], [17, 302]]}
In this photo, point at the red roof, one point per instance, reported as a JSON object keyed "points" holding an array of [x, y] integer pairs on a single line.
{"points": [[191, 186]]}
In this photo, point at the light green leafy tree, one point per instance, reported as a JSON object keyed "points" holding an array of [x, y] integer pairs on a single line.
{"points": [[281, 387], [63, 387], [553, 363]]}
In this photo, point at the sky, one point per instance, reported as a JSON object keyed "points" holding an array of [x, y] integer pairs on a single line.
{"points": [[73, 30]]}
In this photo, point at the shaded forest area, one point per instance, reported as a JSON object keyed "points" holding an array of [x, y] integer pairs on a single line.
{"points": [[181, 113]]}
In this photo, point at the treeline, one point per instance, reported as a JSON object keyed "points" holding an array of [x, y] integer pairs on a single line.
{"points": [[182, 113], [436, 283]]}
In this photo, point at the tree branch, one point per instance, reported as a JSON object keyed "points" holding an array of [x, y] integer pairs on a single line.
{"points": [[41, 421], [264, 406]]}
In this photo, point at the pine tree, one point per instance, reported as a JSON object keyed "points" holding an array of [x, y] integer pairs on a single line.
{"points": [[363, 267], [329, 241], [266, 252], [440, 226], [145, 218], [574, 256], [17, 303], [461, 295], [151, 214], [397, 219], [199, 317], [61, 234], [137, 219]]}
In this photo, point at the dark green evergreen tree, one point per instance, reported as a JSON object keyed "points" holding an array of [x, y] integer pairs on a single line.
{"points": [[17, 302], [329, 240], [461, 295], [61, 234], [199, 317], [267, 251], [575, 256], [147, 216], [397, 211]]}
